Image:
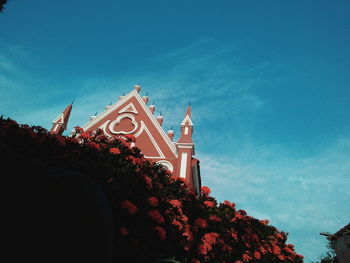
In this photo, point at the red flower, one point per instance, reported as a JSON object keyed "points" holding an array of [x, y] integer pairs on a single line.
{"points": [[93, 145], [279, 236], [201, 223], [175, 203], [148, 181], [184, 218], [228, 203], [177, 224], [227, 248], [264, 222], [299, 256], [123, 231], [263, 250], [153, 201], [214, 218], [161, 232], [114, 150], [78, 129], [246, 257], [257, 255], [183, 180], [281, 257], [276, 250], [205, 190], [209, 203], [208, 240], [188, 234], [156, 216], [288, 250], [202, 249], [132, 209]]}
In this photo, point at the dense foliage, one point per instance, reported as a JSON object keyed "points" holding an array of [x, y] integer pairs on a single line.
{"points": [[156, 215], [330, 256], [2, 3]]}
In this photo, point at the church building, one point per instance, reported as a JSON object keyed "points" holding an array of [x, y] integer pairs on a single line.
{"points": [[130, 115]]}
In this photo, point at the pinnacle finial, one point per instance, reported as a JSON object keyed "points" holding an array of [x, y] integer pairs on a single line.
{"points": [[137, 87]]}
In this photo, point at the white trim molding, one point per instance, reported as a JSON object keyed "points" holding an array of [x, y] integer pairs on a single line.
{"points": [[183, 165], [117, 121], [167, 165]]}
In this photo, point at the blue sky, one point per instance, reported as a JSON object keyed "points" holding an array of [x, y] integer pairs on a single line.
{"points": [[268, 81]]}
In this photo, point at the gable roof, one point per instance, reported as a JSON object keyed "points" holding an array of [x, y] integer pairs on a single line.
{"points": [[125, 106]]}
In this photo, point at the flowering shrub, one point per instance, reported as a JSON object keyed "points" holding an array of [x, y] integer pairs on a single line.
{"points": [[156, 215]]}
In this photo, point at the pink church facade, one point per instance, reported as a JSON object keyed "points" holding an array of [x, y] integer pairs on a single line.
{"points": [[130, 115]]}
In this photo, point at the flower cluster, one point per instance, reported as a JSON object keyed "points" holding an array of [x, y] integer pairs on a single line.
{"points": [[156, 215]]}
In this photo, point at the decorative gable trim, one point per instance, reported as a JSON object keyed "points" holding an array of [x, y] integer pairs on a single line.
{"points": [[127, 110], [59, 119], [187, 119], [155, 144]]}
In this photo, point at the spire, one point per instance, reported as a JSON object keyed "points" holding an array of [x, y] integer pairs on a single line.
{"points": [[60, 123], [188, 110]]}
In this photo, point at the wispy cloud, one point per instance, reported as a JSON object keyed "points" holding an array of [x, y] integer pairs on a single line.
{"points": [[291, 192]]}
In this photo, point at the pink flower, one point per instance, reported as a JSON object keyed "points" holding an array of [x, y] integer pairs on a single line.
{"points": [[161, 232], [114, 150], [132, 209], [156, 216]]}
